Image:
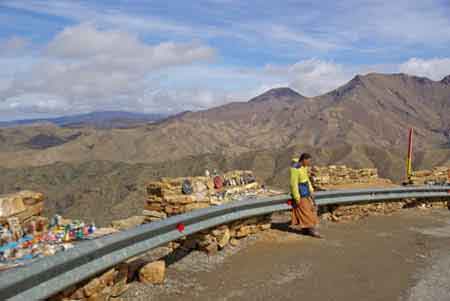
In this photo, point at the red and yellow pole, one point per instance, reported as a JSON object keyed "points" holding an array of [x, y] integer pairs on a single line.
{"points": [[409, 159]]}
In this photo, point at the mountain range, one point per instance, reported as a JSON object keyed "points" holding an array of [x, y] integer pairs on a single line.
{"points": [[363, 123]]}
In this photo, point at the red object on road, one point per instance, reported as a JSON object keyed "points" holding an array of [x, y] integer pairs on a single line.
{"points": [[289, 202], [180, 227]]}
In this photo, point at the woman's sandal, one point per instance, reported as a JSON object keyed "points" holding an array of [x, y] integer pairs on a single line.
{"points": [[315, 234]]}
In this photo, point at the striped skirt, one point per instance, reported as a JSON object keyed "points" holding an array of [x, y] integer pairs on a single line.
{"points": [[304, 214]]}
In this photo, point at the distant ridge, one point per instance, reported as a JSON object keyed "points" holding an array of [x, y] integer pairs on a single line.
{"points": [[100, 119]]}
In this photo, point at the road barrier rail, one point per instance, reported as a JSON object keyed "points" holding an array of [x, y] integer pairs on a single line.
{"points": [[50, 275]]}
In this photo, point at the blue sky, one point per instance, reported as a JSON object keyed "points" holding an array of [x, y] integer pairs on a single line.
{"points": [[64, 57]]}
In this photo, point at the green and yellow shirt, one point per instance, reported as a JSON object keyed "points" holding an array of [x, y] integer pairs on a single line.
{"points": [[299, 174]]}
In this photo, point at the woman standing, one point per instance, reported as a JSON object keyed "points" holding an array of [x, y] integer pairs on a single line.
{"points": [[303, 211]]}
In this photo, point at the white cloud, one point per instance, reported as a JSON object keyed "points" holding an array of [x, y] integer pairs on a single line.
{"points": [[36, 103], [4, 84], [365, 25], [118, 18], [86, 69], [435, 69], [177, 100], [85, 41], [412, 21], [314, 76], [283, 33], [249, 32], [13, 46]]}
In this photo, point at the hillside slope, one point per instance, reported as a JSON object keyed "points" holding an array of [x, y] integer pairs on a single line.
{"points": [[374, 110], [362, 124]]}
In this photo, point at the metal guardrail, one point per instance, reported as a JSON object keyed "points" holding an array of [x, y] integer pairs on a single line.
{"points": [[51, 275]]}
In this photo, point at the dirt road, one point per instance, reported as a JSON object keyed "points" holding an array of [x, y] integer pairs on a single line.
{"points": [[405, 256]]}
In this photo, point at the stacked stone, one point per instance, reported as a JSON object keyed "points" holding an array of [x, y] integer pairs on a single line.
{"points": [[111, 284], [341, 174], [437, 175], [17, 210], [357, 211], [166, 198], [212, 241]]}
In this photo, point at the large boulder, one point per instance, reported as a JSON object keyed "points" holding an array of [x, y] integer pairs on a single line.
{"points": [[223, 237], [11, 205], [153, 272]]}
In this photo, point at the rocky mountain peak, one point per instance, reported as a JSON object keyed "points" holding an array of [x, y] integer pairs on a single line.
{"points": [[446, 80], [283, 93]]}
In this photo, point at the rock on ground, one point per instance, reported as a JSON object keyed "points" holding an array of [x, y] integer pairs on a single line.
{"points": [[153, 273]]}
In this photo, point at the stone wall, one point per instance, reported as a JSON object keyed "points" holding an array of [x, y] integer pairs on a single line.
{"points": [[22, 205], [437, 175], [351, 212], [166, 198], [211, 241], [18, 210], [341, 174], [106, 286]]}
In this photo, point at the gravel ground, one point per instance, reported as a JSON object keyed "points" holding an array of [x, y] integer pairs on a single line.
{"points": [[434, 280], [400, 257], [183, 265]]}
